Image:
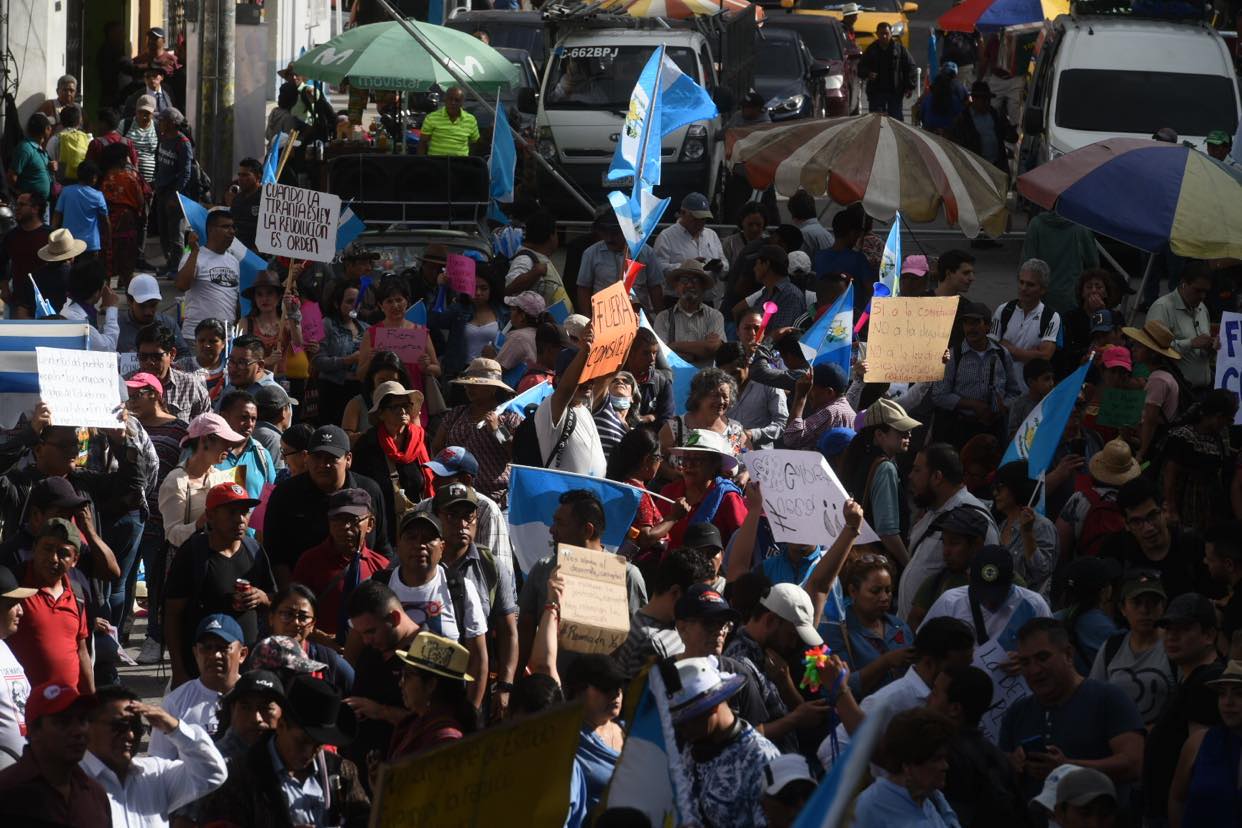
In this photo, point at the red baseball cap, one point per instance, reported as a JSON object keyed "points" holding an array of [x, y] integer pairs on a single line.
{"points": [[49, 699], [226, 493]]}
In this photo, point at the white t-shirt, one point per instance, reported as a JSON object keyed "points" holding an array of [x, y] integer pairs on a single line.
{"points": [[583, 452], [215, 290], [431, 606], [193, 703], [14, 690], [1023, 331]]}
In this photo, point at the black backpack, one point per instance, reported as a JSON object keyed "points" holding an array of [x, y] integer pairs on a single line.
{"points": [[526, 451], [1045, 321]]}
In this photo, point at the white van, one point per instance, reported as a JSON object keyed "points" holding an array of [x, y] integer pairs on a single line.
{"points": [[583, 100], [1101, 77]]}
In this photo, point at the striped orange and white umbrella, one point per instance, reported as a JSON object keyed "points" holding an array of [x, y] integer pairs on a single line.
{"points": [[884, 163], [681, 9]]}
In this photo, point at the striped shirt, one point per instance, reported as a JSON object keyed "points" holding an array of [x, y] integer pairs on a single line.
{"points": [[146, 142], [447, 137], [648, 637], [610, 427]]}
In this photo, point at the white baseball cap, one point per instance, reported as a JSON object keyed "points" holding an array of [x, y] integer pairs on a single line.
{"points": [[790, 602], [786, 768], [144, 288], [1048, 796]]}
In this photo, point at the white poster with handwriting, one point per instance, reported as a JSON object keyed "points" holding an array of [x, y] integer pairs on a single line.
{"points": [[79, 387], [802, 497], [1006, 689], [298, 223]]}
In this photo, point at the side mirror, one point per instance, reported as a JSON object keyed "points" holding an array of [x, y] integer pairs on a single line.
{"points": [[724, 100], [909, 8], [820, 70], [527, 101], [1033, 120]]}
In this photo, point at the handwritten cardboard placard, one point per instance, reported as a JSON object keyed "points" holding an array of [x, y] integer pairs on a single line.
{"points": [[595, 614], [408, 343], [459, 270], [298, 222], [1120, 407], [1229, 357], [522, 766], [312, 322], [80, 387], [802, 497], [615, 326], [907, 338], [1006, 689]]}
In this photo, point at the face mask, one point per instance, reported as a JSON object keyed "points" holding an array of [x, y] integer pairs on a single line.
{"points": [[619, 403]]}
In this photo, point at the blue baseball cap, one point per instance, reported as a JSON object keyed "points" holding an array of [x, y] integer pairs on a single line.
{"points": [[835, 440], [224, 627], [454, 460]]}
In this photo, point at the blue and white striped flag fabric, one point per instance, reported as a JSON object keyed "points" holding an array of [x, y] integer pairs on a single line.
{"points": [[19, 370], [682, 371], [1040, 433], [534, 495], [535, 394], [348, 228]]}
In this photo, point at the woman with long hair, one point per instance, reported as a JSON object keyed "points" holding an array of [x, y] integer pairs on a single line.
{"points": [[1029, 536], [433, 689], [706, 491], [636, 461], [874, 642], [472, 324], [123, 190], [599, 683], [1197, 462], [1205, 784], [385, 366], [292, 615], [477, 427], [393, 296], [279, 334], [395, 451], [338, 354]]}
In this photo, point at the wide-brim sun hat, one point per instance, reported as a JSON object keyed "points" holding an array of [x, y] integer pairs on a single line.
{"points": [[61, 245], [1114, 464], [437, 655], [392, 388], [691, 267], [706, 441], [703, 687], [266, 279], [1154, 335], [484, 371]]}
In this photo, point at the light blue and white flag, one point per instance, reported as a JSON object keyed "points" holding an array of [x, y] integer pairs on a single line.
{"points": [[43, 308], [559, 311], [348, 228], [501, 165], [831, 337], [638, 215], [830, 804], [890, 259], [19, 370], [637, 157], [417, 313], [682, 371], [250, 264], [272, 162], [535, 394], [1040, 433], [534, 495]]}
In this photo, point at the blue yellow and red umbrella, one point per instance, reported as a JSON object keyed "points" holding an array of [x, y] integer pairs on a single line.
{"points": [[1148, 194]]}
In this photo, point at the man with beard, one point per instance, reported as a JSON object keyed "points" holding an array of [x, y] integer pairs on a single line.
{"points": [[692, 329], [143, 789], [936, 484]]}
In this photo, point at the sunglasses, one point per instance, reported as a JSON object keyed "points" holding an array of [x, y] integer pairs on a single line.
{"points": [[129, 724]]}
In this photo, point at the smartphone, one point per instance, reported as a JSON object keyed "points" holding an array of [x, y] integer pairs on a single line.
{"points": [[1034, 744]]}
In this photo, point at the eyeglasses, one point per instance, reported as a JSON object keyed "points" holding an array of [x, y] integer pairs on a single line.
{"points": [[291, 617], [242, 363], [151, 356], [135, 393], [291, 452]]}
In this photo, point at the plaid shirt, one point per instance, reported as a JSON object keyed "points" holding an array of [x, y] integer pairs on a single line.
{"points": [[185, 395]]}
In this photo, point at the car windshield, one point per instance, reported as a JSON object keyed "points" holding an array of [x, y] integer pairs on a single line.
{"points": [[778, 60], [833, 5], [821, 40], [603, 77], [1120, 101]]}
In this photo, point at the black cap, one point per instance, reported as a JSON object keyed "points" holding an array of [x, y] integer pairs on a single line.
{"points": [[702, 536], [56, 493], [329, 439], [316, 707], [414, 515], [975, 309], [349, 502], [298, 437], [258, 682], [596, 670], [829, 375], [1190, 606], [1142, 582], [1088, 574], [963, 520], [10, 588], [991, 574], [702, 601], [158, 32]]}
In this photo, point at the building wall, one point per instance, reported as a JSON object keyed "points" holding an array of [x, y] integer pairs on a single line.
{"points": [[36, 35]]}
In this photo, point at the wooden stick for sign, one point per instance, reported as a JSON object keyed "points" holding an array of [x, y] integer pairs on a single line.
{"points": [[284, 156]]}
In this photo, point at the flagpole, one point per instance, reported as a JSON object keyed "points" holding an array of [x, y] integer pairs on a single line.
{"points": [[589, 477]]}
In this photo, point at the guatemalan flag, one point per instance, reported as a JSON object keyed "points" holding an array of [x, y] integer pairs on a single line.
{"points": [[682, 371], [348, 228], [531, 396], [19, 371], [501, 166], [1040, 433], [534, 495], [637, 157], [272, 161], [890, 259], [251, 264], [831, 337]]}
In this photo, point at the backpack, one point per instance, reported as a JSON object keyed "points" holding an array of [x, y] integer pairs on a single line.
{"points": [[198, 188], [526, 450], [1045, 322], [457, 586], [1104, 517], [72, 151]]}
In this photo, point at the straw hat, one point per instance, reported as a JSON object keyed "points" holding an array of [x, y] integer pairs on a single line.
{"points": [[393, 388], [1231, 675], [483, 371], [1114, 464], [61, 245], [438, 655], [691, 267], [1155, 335]]}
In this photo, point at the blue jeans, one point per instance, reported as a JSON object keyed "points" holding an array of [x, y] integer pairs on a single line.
{"points": [[889, 102], [123, 537], [153, 552]]}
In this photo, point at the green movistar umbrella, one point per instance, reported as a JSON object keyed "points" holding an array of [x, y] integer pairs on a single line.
{"points": [[385, 56]]}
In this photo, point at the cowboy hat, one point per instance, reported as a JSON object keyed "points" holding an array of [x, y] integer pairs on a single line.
{"points": [[691, 267], [267, 278], [61, 245], [704, 440], [1154, 335], [438, 655], [483, 371], [393, 388], [1114, 464]]}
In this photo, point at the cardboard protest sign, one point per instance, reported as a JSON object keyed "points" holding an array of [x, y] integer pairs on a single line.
{"points": [[595, 610], [298, 223], [802, 497], [1229, 357], [408, 343], [907, 338], [615, 326], [79, 387], [1006, 689], [520, 767], [459, 270], [1120, 407]]}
